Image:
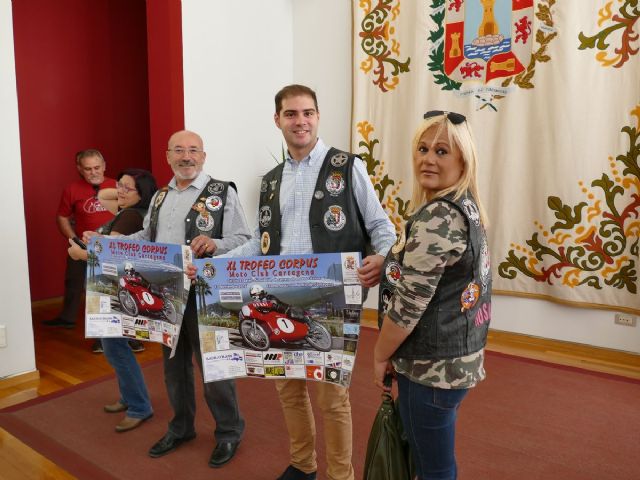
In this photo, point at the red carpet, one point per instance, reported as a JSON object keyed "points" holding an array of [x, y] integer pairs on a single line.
{"points": [[529, 420]]}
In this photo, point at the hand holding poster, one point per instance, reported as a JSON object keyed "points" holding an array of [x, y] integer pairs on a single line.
{"points": [[290, 316], [136, 289]]}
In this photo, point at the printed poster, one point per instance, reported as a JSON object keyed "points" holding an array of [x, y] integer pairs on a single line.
{"points": [[136, 289], [289, 316]]}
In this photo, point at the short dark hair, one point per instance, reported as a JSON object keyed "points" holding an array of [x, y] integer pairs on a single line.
{"points": [[145, 185], [88, 153], [294, 90]]}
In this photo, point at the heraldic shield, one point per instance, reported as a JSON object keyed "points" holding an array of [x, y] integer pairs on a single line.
{"points": [[487, 39]]}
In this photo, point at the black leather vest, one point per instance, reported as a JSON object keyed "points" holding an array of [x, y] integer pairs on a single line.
{"points": [[206, 214], [335, 221], [456, 320]]}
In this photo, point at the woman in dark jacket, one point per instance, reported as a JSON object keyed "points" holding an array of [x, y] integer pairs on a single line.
{"points": [[135, 188]]}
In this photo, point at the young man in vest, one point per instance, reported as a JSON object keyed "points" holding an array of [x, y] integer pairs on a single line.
{"points": [[196, 210], [318, 200]]}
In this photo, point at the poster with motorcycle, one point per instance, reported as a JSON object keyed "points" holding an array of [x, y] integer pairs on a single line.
{"points": [[136, 289], [289, 316]]}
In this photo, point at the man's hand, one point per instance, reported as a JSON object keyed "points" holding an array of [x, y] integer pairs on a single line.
{"points": [[202, 245], [369, 273], [191, 271], [88, 235], [76, 252]]}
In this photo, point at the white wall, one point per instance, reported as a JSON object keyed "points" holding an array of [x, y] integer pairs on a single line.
{"points": [[237, 55], [18, 356], [322, 60], [309, 41], [235, 62]]}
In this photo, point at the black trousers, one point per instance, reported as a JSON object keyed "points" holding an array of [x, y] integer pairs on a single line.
{"points": [[179, 379], [74, 282]]}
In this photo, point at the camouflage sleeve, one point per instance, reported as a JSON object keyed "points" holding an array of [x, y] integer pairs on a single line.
{"points": [[437, 239]]}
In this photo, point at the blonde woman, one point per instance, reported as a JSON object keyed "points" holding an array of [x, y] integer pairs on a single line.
{"points": [[435, 294]]}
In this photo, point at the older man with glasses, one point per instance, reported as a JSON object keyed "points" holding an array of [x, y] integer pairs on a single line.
{"points": [[205, 213], [80, 210]]}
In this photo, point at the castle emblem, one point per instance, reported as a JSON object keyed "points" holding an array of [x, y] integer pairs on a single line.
{"points": [[488, 45], [486, 39]]}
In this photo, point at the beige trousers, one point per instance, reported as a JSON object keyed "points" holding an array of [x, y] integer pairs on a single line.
{"points": [[333, 401]]}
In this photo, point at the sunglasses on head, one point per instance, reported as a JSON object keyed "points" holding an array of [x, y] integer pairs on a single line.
{"points": [[453, 117]]}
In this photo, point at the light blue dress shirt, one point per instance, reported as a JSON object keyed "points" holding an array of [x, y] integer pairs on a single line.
{"points": [[296, 193], [178, 203]]}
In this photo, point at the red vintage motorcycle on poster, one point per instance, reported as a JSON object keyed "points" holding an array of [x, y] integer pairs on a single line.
{"points": [[261, 324], [137, 296]]}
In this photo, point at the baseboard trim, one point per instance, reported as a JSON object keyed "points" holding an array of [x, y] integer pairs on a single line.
{"points": [[19, 379], [589, 357]]}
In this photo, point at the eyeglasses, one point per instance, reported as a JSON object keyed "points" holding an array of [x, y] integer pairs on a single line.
{"points": [[123, 187], [181, 151], [453, 117]]}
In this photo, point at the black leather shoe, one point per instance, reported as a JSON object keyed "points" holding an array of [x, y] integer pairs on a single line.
{"points": [[167, 444], [58, 322], [292, 473], [223, 452]]}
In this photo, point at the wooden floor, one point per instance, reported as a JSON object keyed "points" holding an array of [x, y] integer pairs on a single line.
{"points": [[64, 359]]}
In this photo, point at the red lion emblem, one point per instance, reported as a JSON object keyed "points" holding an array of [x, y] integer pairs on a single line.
{"points": [[455, 4], [523, 29], [471, 69]]}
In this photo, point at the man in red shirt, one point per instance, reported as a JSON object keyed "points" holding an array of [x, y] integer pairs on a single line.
{"points": [[80, 210]]}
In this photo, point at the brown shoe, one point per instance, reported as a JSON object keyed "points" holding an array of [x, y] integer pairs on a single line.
{"points": [[115, 407], [129, 423]]}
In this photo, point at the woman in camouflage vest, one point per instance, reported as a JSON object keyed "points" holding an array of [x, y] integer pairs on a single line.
{"points": [[435, 294]]}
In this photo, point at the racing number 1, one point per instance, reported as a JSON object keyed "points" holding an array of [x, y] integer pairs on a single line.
{"points": [[285, 325]]}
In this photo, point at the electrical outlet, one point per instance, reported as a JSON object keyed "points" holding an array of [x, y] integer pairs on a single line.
{"points": [[625, 319], [3, 336]]}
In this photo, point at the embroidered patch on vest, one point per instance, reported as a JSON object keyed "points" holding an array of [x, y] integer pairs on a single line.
{"points": [[385, 296], [265, 216], [339, 159], [214, 203], [200, 207], [319, 194], [204, 222], [273, 184], [216, 188], [469, 296], [263, 186], [335, 183], [399, 245], [393, 271], [471, 209], [159, 199], [265, 242], [485, 265], [334, 218]]}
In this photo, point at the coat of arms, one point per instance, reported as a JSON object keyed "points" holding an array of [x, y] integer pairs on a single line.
{"points": [[486, 41]]}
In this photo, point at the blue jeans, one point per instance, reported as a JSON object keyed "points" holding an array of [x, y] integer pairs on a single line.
{"points": [[429, 419], [133, 391]]}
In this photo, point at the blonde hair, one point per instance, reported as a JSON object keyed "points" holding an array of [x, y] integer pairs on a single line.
{"points": [[462, 137]]}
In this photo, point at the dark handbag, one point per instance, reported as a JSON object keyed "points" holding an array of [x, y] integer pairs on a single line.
{"points": [[388, 456]]}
